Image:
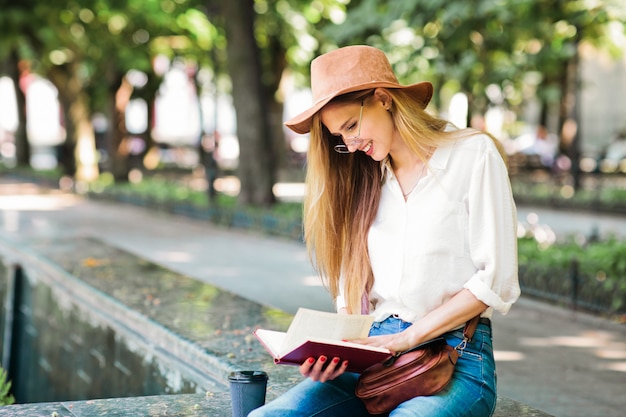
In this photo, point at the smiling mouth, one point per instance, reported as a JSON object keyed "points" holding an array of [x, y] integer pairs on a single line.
{"points": [[367, 147]]}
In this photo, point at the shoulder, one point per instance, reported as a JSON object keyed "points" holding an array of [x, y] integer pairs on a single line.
{"points": [[478, 143], [473, 139], [468, 149]]}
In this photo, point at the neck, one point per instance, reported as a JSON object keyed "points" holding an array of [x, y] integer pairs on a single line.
{"points": [[408, 168], [402, 158]]}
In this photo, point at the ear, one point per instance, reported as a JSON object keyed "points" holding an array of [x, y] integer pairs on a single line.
{"points": [[382, 96]]}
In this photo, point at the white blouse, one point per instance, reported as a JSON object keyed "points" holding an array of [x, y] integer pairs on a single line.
{"points": [[457, 229]]}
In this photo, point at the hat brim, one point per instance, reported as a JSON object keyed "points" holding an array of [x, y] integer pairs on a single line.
{"points": [[301, 123]]}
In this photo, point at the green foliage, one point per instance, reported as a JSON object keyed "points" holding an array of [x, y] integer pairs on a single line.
{"points": [[162, 190], [475, 43], [481, 42], [614, 197], [103, 39], [549, 257], [5, 387], [600, 265], [551, 193], [606, 260]]}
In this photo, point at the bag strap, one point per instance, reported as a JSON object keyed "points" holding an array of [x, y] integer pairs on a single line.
{"points": [[470, 327], [431, 342], [468, 333]]}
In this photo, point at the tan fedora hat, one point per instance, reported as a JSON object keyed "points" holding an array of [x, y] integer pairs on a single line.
{"points": [[348, 69]]}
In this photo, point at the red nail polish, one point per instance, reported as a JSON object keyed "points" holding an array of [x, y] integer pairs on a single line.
{"points": [[322, 358], [311, 360], [336, 360]]}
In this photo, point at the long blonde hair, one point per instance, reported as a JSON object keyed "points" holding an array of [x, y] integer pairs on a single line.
{"points": [[342, 194]]}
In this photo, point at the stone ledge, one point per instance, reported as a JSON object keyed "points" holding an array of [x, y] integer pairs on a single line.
{"points": [[213, 327], [187, 405]]}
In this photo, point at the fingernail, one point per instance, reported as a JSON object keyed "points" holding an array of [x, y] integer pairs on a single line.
{"points": [[345, 363], [311, 360], [336, 360], [322, 358]]}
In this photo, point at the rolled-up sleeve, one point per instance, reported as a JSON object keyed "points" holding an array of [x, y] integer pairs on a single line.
{"points": [[492, 233]]}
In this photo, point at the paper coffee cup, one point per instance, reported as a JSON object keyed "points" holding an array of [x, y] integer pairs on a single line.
{"points": [[247, 391]]}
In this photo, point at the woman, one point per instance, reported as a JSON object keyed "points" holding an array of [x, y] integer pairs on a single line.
{"points": [[408, 219]]}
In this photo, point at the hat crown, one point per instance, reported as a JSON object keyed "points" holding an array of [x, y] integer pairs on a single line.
{"points": [[349, 69]]}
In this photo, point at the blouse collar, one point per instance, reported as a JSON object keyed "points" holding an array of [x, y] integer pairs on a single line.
{"points": [[438, 161]]}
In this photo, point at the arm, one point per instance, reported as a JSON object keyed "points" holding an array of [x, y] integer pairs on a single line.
{"points": [[450, 315]]}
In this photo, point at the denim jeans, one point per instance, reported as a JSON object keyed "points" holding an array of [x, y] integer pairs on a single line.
{"points": [[470, 393]]}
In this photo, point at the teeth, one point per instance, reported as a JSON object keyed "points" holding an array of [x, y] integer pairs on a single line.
{"points": [[367, 148]]}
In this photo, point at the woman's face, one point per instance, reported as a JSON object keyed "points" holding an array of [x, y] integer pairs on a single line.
{"points": [[370, 131]]}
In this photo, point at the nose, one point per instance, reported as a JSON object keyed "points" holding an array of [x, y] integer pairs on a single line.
{"points": [[353, 147], [353, 144]]}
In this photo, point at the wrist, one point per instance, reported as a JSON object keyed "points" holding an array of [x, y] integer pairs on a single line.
{"points": [[415, 336]]}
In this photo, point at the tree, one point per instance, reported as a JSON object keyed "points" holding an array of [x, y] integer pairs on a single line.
{"points": [[22, 146], [15, 19], [256, 172], [481, 43], [264, 38], [86, 51]]}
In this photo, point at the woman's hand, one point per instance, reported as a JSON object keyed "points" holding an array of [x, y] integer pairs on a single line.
{"points": [[398, 342], [323, 369]]}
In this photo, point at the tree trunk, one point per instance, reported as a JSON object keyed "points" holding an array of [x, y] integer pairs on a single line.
{"points": [[569, 117], [275, 65], [118, 137], [22, 146], [256, 160], [79, 152]]}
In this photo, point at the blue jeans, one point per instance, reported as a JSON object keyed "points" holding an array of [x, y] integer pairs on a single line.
{"points": [[470, 393]]}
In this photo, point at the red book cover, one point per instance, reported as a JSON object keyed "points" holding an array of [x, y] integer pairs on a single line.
{"points": [[312, 334], [359, 357]]}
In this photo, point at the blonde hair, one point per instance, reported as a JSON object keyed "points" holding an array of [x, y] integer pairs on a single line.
{"points": [[342, 194]]}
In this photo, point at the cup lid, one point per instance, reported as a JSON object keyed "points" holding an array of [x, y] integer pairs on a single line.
{"points": [[247, 376]]}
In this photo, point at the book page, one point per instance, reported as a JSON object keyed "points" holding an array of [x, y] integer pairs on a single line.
{"points": [[272, 340], [312, 324]]}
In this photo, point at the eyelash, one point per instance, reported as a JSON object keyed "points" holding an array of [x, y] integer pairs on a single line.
{"points": [[349, 129]]}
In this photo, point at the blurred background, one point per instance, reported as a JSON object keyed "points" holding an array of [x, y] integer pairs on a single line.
{"points": [[127, 88], [184, 101]]}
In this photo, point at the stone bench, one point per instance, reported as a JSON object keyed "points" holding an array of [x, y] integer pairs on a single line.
{"points": [[201, 331], [184, 405]]}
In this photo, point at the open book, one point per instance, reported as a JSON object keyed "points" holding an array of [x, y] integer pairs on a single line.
{"points": [[316, 333]]}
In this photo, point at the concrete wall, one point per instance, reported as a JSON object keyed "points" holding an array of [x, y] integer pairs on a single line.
{"points": [[57, 348]]}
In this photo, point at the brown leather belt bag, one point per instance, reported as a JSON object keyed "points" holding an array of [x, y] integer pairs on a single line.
{"points": [[424, 370]]}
